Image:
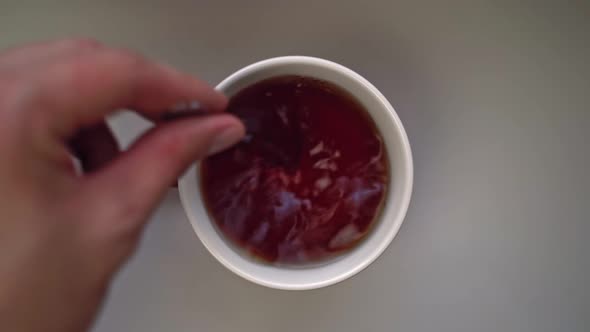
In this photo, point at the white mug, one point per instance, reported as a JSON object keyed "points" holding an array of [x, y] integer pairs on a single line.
{"points": [[388, 221]]}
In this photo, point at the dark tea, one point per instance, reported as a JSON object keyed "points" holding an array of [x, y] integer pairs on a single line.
{"points": [[309, 178]]}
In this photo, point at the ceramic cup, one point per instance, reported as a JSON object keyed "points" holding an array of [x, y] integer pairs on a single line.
{"points": [[393, 210]]}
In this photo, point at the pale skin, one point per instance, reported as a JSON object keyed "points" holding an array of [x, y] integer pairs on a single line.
{"points": [[63, 234]]}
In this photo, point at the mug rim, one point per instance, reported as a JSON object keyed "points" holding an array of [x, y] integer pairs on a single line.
{"points": [[188, 179]]}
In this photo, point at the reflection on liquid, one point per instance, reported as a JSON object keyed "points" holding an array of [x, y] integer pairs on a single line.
{"points": [[309, 179]]}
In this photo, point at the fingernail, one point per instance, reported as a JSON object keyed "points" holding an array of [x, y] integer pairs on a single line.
{"points": [[225, 139]]}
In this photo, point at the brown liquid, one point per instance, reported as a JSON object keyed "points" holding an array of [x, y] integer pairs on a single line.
{"points": [[309, 178]]}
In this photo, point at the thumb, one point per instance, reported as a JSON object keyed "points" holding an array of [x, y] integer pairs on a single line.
{"points": [[129, 189]]}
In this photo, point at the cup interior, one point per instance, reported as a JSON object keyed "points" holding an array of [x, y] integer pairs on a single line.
{"points": [[393, 210]]}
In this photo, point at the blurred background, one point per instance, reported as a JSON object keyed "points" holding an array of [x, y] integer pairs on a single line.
{"points": [[495, 98]]}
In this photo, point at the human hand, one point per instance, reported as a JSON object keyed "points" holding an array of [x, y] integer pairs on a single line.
{"points": [[63, 235]]}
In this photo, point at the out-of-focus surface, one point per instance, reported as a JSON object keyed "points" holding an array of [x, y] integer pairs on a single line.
{"points": [[495, 98]]}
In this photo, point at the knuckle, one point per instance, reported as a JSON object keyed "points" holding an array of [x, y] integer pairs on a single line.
{"points": [[97, 66], [76, 73], [60, 77], [126, 66], [85, 70]]}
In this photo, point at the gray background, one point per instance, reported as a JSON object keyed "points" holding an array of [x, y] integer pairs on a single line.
{"points": [[494, 96]]}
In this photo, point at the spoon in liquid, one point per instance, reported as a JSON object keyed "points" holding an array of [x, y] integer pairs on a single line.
{"points": [[271, 143]]}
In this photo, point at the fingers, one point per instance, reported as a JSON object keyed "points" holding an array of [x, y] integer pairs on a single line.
{"points": [[69, 87], [94, 146], [128, 190], [82, 88]]}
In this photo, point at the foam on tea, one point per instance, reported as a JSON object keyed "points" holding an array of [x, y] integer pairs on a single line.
{"points": [[308, 180]]}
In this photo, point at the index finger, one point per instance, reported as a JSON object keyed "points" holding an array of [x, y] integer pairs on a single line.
{"points": [[81, 91]]}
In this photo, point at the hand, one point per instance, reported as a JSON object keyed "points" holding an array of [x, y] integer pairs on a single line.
{"points": [[64, 235]]}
